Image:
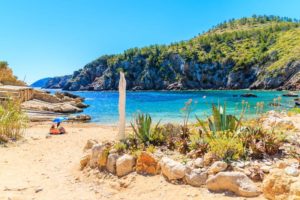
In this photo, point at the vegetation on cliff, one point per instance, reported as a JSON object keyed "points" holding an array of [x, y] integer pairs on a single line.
{"points": [[261, 52], [7, 77]]}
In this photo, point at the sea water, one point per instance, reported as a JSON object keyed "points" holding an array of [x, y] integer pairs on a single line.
{"points": [[167, 105]]}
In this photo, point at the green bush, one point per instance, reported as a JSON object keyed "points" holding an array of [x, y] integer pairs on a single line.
{"points": [[12, 121], [226, 146]]}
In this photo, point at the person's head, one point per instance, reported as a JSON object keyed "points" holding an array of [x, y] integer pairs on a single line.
{"points": [[53, 126]]}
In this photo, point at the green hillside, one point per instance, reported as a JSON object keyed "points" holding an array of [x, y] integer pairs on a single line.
{"points": [[256, 52]]}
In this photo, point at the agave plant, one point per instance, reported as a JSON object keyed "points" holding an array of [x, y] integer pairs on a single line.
{"points": [[220, 121], [142, 128]]}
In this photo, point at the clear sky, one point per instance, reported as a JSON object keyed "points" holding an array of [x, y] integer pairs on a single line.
{"points": [[42, 38]]}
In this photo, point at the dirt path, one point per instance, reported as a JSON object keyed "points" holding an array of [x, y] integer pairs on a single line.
{"points": [[47, 168]]}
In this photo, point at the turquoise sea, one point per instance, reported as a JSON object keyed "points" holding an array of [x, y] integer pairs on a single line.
{"points": [[166, 105]]}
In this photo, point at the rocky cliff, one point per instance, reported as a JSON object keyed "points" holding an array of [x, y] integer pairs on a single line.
{"points": [[257, 53]]}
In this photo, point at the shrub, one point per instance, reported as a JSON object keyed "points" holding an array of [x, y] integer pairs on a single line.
{"points": [[226, 146], [12, 121], [259, 142], [144, 131], [120, 147]]}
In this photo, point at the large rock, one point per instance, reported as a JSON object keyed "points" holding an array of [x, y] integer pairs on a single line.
{"points": [[217, 167], [196, 177], [172, 169], [280, 186], [111, 162], [125, 165], [85, 160], [236, 182], [97, 153], [89, 144], [147, 164]]}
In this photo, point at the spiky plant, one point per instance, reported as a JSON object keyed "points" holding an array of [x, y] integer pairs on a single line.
{"points": [[142, 128], [220, 121]]}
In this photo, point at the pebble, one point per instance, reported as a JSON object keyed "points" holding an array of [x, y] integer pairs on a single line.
{"points": [[291, 171], [265, 169]]}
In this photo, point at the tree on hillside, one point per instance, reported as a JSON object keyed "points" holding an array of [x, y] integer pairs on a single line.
{"points": [[7, 77]]}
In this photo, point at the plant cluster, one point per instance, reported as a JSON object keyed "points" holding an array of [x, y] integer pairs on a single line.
{"points": [[222, 134], [12, 121]]}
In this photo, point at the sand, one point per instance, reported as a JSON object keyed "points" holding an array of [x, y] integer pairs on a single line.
{"points": [[47, 168]]}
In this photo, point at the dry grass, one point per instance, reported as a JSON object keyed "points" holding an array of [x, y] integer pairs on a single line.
{"points": [[12, 121]]}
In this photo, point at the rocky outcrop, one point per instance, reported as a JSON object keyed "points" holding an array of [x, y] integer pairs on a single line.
{"points": [[236, 182]]}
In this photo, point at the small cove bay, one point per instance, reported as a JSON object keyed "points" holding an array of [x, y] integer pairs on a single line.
{"points": [[166, 105]]}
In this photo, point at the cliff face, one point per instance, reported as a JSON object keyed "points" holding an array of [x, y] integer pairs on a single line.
{"points": [[255, 53], [52, 83]]}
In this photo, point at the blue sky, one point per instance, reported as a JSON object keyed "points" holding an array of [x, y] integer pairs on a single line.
{"points": [[42, 38]]}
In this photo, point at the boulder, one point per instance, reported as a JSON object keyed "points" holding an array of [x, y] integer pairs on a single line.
{"points": [[97, 152], [217, 167], [147, 164], [280, 186], [236, 182], [89, 144], [125, 165], [295, 191], [84, 161], [111, 162], [195, 177], [172, 169], [199, 162]]}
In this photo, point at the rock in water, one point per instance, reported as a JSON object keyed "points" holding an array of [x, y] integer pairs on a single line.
{"points": [[236, 182], [147, 164], [196, 177], [217, 167], [125, 165], [172, 169], [111, 162], [248, 95]]}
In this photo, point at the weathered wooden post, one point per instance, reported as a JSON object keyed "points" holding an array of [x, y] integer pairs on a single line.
{"points": [[122, 104]]}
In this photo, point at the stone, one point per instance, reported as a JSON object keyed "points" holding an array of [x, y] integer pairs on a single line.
{"points": [[111, 162], [217, 167], [265, 169], [277, 185], [103, 158], [235, 182], [291, 171], [84, 161], [173, 170], [196, 177], [209, 158], [124, 165], [295, 191], [147, 164], [89, 144], [96, 153], [281, 164], [199, 163]]}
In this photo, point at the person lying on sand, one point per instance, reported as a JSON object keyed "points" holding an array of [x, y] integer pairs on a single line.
{"points": [[58, 130]]}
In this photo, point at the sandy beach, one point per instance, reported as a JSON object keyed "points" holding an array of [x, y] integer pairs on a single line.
{"points": [[47, 167]]}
